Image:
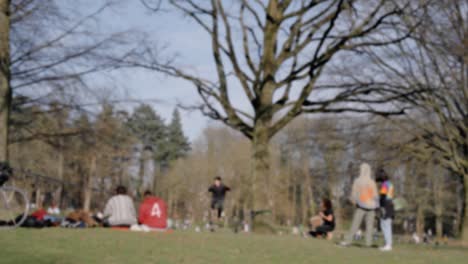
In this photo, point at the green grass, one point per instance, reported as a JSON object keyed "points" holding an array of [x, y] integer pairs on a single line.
{"points": [[87, 246]]}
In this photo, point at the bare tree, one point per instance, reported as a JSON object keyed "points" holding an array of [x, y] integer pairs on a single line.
{"points": [[47, 51], [435, 60], [5, 89], [277, 51]]}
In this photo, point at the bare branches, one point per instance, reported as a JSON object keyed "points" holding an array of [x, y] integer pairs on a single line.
{"points": [[153, 5], [284, 47], [65, 47], [430, 61]]}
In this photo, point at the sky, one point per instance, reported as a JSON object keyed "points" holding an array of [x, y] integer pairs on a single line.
{"points": [[181, 37]]}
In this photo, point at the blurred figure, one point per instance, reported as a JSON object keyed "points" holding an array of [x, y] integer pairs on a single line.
{"points": [[326, 218], [416, 238], [387, 211], [218, 191], [153, 212], [53, 209], [120, 210], [365, 197]]}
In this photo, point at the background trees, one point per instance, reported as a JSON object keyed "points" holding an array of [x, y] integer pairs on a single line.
{"points": [[434, 59], [76, 159], [285, 58], [311, 159], [178, 144], [277, 52], [49, 50]]}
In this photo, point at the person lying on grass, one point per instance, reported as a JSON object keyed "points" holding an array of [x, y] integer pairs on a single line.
{"points": [[324, 223]]}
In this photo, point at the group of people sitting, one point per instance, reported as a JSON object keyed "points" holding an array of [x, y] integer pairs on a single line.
{"points": [[119, 212]]}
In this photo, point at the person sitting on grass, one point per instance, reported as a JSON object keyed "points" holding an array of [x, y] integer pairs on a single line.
{"points": [[153, 212], [120, 210], [53, 209], [326, 220]]}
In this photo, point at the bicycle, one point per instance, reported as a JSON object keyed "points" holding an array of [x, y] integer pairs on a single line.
{"points": [[14, 203]]}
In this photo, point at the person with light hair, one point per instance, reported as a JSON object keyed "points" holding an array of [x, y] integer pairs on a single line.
{"points": [[365, 197]]}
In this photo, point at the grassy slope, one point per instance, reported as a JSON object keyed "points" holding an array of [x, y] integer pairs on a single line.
{"points": [[66, 246]]}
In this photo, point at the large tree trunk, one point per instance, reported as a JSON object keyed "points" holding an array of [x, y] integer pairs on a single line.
{"points": [[261, 170], [39, 199], [310, 195], [439, 227], [88, 186], [261, 188], [5, 89], [465, 210], [420, 221], [438, 189], [141, 173], [87, 193], [60, 173], [438, 210]]}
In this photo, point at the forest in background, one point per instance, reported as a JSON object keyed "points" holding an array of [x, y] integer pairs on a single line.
{"points": [[315, 158], [312, 158], [405, 63]]}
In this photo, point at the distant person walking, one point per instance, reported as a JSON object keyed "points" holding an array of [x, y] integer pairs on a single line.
{"points": [[365, 197], [218, 193], [387, 210]]}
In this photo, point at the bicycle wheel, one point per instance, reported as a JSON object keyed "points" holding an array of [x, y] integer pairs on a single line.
{"points": [[14, 207]]}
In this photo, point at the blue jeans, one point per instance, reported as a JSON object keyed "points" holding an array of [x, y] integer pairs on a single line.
{"points": [[386, 226]]}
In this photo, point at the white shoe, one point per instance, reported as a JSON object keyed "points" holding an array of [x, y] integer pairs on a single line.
{"points": [[136, 228], [343, 244], [145, 228], [386, 248]]}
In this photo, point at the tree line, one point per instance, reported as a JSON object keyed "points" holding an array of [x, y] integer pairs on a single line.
{"points": [[314, 158], [91, 153], [399, 59]]}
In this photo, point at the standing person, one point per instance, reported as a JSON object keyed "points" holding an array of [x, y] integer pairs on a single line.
{"points": [[387, 211], [120, 210], [327, 218], [218, 191], [365, 197], [153, 212]]}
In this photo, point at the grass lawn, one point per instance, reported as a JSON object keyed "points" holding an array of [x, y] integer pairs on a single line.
{"points": [[87, 246]]}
